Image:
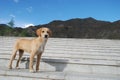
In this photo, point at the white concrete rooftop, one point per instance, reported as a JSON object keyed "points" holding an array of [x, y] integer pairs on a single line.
{"points": [[66, 59]]}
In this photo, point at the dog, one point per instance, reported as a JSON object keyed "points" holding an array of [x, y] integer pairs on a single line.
{"points": [[33, 46]]}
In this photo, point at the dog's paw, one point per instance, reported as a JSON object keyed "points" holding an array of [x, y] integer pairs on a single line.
{"points": [[17, 67], [9, 67], [32, 71], [37, 70]]}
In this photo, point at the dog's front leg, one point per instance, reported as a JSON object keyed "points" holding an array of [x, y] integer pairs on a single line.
{"points": [[38, 61], [31, 62]]}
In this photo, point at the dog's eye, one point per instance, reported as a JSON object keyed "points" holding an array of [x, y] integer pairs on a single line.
{"points": [[47, 31], [42, 31]]}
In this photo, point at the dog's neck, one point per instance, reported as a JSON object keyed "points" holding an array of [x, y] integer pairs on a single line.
{"points": [[42, 43], [43, 40]]}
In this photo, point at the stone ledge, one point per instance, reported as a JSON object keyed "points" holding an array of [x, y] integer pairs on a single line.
{"points": [[81, 61], [23, 74]]}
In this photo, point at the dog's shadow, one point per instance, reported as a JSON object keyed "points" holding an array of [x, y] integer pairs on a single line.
{"points": [[59, 64]]}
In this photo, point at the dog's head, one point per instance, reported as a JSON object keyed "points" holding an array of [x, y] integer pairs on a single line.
{"points": [[44, 32]]}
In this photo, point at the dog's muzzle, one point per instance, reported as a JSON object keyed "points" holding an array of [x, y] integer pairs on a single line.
{"points": [[46, 36]]}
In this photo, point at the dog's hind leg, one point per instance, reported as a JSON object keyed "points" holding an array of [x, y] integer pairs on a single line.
{"points": [[12, 58], [20, 55]]}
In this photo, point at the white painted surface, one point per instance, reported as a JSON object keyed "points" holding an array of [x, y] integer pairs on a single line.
{"points": [[67, 59]]}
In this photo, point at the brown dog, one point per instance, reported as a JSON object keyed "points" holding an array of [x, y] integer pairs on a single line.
{"points": [[33, 46]]}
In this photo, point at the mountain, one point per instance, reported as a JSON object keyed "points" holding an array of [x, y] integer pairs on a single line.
{"points": [[6, 30], [85, 28], [74, 28]]}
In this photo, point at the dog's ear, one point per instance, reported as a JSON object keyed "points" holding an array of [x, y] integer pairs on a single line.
{"points": [[50, 32], [38, 31]]}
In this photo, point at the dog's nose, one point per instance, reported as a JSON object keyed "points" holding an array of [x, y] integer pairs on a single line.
{"points": [[46, 36]]}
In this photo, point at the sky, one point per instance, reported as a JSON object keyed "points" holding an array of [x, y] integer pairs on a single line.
{"points": [[35, 12]]}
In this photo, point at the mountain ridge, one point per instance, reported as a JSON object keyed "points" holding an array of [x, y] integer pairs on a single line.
{"points": [[75, 28]]}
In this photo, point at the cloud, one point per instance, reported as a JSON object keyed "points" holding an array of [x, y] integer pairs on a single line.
{"points": [[3, 21], [29, 9], [11, 15], [23, 24], [16, 1], [27, 25]]}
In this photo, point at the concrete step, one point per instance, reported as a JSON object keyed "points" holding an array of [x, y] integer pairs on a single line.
{"points": [[75, 65], [75, 56], [23, 74], [78, 48]]}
